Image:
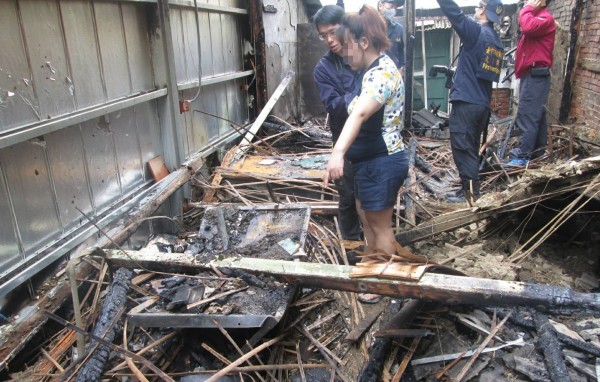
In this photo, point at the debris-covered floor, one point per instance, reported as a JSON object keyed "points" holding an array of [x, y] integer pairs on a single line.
{"points": [[534, 226]]}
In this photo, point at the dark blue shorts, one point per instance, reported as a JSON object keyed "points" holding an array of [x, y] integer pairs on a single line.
{"points": [[377, 180]]}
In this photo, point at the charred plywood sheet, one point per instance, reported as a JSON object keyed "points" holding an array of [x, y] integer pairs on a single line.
{"points": [[255, 231], [241, 300], [297, 167]]}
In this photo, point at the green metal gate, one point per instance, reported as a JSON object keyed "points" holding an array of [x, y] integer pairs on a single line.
{"points": [[437, 51]]}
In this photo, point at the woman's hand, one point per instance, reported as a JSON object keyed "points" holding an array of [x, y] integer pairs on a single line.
{"points": [[335, 167]]}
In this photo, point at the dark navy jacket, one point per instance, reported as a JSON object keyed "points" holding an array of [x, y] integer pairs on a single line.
{"points": [[395, 33], [334, 80], [480, 58]]}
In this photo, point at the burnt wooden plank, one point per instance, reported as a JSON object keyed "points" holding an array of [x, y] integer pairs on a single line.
{"points": [[309, 167], [362, 326], [533, 186], [433, 287]]}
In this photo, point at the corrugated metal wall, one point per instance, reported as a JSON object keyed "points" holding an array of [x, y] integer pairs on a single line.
{"points": [[83, 105], [221, 44]]}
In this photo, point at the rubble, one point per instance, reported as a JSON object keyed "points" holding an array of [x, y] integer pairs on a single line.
{"points": [[252, 286]]}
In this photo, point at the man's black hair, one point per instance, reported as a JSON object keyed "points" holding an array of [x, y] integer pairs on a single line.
{"points": [[329, 14]]}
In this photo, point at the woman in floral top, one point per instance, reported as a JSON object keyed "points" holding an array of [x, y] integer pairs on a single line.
{"points": [[371, 138]]}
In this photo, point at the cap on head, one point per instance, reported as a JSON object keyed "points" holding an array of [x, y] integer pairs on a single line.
{"points": [[397, 3], [493, 9]]}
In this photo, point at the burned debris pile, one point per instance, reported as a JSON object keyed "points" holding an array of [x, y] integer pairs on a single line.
{"points": [[256, 283]]}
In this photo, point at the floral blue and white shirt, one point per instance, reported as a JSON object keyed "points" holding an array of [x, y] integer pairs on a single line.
{"points": [[380, 134]]}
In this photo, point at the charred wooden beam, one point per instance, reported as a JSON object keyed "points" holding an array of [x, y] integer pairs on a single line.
{"points": [[374, 368], [522, 197], [258, 35], [19, 334], [552, 350], [431, 286], [105, 326], [528, 324]]}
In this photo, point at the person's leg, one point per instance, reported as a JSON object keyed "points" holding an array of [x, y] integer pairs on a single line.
{"points": [[542, 134], [348, 218], [379, 236], [467, 123], [377, 184], [380, 224], [369, 235], [542, 138], [532, 98]]}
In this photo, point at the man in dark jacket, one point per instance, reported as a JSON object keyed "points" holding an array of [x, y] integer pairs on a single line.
{"points": [[395, 31], [334, 80], [478, 67], [533, 61]]}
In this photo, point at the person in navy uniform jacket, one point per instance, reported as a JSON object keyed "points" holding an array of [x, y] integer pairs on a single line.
{"points": [[478, 68], [334, 80], [395, 31]]}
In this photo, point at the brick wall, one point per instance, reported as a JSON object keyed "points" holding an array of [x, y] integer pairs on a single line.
{"points": [[501, 102], [562, 11], [585, 105]]}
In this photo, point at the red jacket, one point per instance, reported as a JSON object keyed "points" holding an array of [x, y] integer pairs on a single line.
{"points": [[536, 45]]}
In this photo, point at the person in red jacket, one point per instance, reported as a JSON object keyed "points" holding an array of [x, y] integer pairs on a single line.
{"points": [[532, 66]]}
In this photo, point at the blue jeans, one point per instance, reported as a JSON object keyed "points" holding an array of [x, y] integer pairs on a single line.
{"points": [[378, 180]]}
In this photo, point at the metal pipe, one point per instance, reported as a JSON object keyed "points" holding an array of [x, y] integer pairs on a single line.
{"points": [[424, 54], [409, 68]]}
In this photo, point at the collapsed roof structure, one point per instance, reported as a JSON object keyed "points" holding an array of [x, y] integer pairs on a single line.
{"points": [[245, 271]]}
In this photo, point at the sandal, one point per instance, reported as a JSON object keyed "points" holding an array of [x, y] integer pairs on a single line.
{"points": [[369, 298]]}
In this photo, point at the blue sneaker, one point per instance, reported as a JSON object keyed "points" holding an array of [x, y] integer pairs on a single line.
{"points": [[515, 163]]}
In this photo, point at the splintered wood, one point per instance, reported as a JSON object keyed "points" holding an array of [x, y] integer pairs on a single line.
{"points": [[258, 284]]}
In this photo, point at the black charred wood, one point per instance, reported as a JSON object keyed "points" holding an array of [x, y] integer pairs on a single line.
{"points": [[426, 185], [579, 345], [423, 166], [395, 319], [105, 326], [548, 344], [248, 278]]}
